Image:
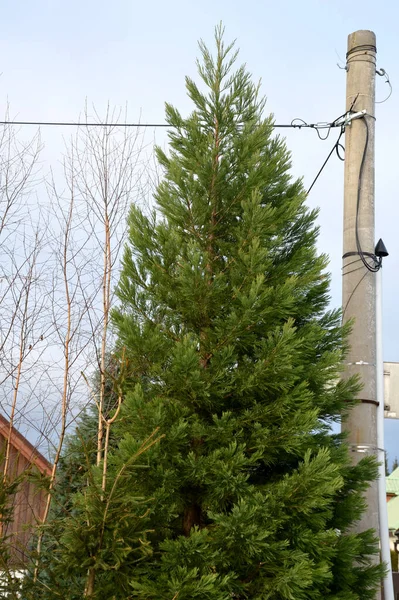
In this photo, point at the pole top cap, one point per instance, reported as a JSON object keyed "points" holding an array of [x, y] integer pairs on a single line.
{"points": [[363, 39]]}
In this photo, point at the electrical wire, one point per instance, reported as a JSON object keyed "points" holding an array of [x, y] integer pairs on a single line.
{"points": [[352, 293], [292, 125], [353, 270], [321, 137], [336, 123], [336, 147], [351, 263], [377, 263], [345, 68], [296, 123], [383, 73], [72, 124]]}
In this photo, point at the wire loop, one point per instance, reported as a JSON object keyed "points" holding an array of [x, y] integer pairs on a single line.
{"points": [[383, 73]]}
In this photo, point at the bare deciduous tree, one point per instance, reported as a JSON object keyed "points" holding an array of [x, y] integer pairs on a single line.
{"points": [[105, 164], [103, 173], [21, 296]]}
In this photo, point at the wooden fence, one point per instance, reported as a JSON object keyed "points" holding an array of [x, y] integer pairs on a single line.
{"points": [[28, 502]]}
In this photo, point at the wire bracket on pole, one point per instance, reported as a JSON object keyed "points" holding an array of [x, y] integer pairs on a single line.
{"points": [[350, 116], [361, 362], [365, 448]]}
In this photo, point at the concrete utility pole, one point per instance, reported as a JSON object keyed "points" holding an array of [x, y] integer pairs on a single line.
{"points": [[359, 284]]}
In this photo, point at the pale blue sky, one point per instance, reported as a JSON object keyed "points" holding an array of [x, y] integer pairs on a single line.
{"points": [[55, 54]]}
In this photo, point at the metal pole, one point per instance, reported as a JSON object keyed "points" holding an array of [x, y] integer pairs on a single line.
{"points": [[382, 495], [358, 283]]}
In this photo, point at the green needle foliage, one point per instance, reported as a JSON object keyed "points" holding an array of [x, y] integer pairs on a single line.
{"points": [[234, 356], [224, 480], [98, 535]]}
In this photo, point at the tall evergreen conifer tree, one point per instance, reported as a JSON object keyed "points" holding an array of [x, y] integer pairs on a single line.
{"points": [[233, 355]]}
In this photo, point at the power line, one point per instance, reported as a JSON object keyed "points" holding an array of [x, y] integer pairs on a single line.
{"points": [[336, 147], [383, 73], [377, 262], [340, 121], [73, 124], [296, 123], [292, 125]]}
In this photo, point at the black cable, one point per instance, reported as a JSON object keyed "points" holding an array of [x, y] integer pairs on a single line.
{"points": [[335, 147], [376, 267], [321, 137], [71, 124], [383, 73], [291, 125], [352, 293], [302, 123], [353, 270], [350, 263]]}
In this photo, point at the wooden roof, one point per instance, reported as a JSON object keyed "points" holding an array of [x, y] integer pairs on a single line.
{"points": [[24, 447]]}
